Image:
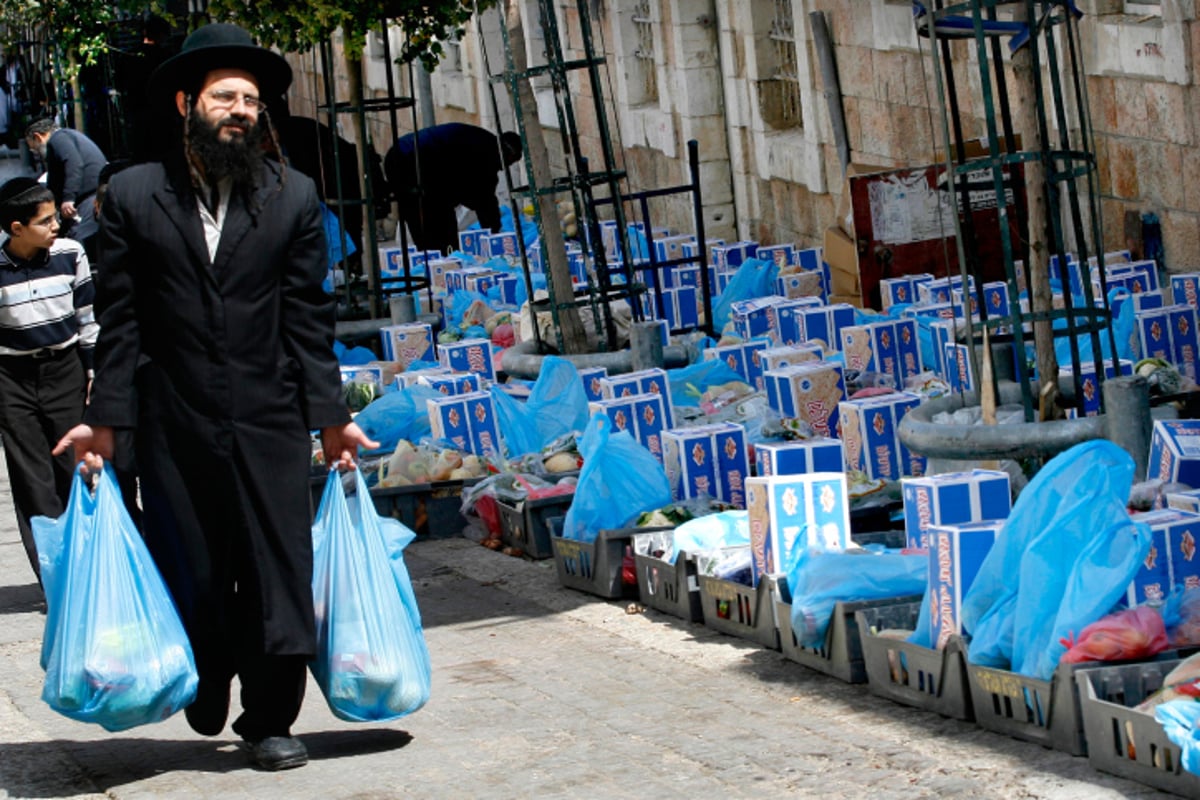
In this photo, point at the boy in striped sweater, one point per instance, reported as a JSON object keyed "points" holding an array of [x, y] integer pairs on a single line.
{"points": [[47, 334]]}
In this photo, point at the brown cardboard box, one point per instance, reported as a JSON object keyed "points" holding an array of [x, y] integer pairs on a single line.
{"points": [[853, 299], [841, 254], [845, 212]]}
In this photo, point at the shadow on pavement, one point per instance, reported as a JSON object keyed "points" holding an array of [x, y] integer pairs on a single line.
{"points": [[21, 599]]}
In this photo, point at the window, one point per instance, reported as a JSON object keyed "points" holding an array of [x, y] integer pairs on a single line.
{"points": [[643, 54], [779, 88]]}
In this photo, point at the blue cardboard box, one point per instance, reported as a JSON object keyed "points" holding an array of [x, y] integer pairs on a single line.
{"points": [[755, 317], [823, 325], [503, 245], [481, 420], [473, 241], [407, 343], [591, 377], [1175, 452], [449, 420], [682, 306], [995, 299], [733, 462], [670, 248], [873, 348], [1090, 386], [790, 316], [468, 355], [800, 284], [787, 355], [453, 382], [1152, 581], [1188, 500], [869, 432], [780, 255], [951, 499], [955, 555], [958, 368], [1185, 289], [744, 358], [789, 512], [413, 378], [619, 411], [809, 258], [1181, 545], [942, 333], [649, 420], [799, 457], [896, 291], [690, 462], [1147, 266], [734, 254], [809, 392], [1183, 339]]}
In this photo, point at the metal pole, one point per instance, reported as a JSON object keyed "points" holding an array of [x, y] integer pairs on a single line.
{"points": [[1127, 422]]}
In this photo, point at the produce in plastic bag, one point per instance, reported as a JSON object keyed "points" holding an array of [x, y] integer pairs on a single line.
{"points": [[557, 405], [712, 532], [1067, 554], [402, 414], [1181, 723], [372, 663], [1184, 627], [1123, 636], [727, 564], [619, 480], [114, 649]]}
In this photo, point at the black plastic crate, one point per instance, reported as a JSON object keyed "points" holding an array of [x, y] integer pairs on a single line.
{"points": [[431, 510], [1126, 742], [841, 655], [746, 612], [670, 588], [527, 524], [1043, 712], [921, 677], [594, 567]]}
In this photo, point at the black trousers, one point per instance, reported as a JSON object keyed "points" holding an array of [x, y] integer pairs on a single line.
{"points": [[40, 400]]}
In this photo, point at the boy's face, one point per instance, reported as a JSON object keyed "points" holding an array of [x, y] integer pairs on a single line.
{"points": [[41, 231]]}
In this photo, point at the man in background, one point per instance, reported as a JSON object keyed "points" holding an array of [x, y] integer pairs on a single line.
{"points": [[73, 163], [443, 167]]}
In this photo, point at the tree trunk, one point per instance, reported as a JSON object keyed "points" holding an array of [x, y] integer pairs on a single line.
{"points": [[1037, 270], [554, 251]]}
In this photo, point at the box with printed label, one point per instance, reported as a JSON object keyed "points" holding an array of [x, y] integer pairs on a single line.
{"points": [[896, 291], [682, 307], [809, 258], [1089, 387], [940, 290], [1185, 289], [407, 343], [1152, 581], [809, 392], [692, 249], [468, 355], [958, 368], [995, 299], [482, 282], [473, 241], [1169, 333], [755, 317], [456, 280], [948, 311], [941, 333], [649, 420], [690, 462], [955, 555], [481, 419], [1147, 267], [683, 275], [733, 462], [452, 382], [873, 348], [591, 377], [413, 378], [670, 248], [951, 499], [780, 255], [448, 419], [1183, 339], [391, 261], [1182, 534], [1175, 452], [824, 326], [734, 254], [1133, 281], [742, 358], [787, 355], [790, 317], [787, 512], [439, 268], [619, 411], [1188, 500], [363, 374], [800, 284], [799, 457], [503, 245], [908, 349], [869, 435]]}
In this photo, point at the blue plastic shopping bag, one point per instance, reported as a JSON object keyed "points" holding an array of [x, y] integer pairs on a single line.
{"points": [[557, 406], [114, 649], [618, 481], [372, 663]]}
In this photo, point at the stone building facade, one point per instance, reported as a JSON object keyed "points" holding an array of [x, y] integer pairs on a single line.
{"points": [[742, 78]]}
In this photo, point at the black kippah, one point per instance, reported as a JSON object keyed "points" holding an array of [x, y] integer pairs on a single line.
{"points": [[16, 187]]}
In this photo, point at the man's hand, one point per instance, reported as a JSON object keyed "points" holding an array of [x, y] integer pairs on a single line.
{"points": [[92, 445], [68, 210], [341, 443]]}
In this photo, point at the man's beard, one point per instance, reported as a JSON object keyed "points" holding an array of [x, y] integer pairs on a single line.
{"points": [[240, 158]]}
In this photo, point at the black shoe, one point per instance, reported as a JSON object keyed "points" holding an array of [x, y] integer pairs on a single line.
{"points": [[278, 752], [210, 709]]}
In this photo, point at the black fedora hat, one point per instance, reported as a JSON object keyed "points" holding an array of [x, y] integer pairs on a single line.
{"points": [[215, 46]]}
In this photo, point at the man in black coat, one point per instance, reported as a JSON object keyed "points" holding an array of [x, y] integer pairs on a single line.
{"points": [[216, 349], [73, 163], [459, 165]]}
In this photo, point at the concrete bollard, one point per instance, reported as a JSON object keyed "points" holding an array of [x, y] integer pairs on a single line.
{"points": [[1127, 421], [645, 345], [403, 308]]}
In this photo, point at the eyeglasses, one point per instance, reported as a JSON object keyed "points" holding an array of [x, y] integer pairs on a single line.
{"points": [[223, 98]]}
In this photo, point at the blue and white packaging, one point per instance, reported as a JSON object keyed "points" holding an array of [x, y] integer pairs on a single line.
{"points": [[800, 284], [683, 275], [619, 411], [799, 457], [692, 249], [413, 378], [942, 333], [787, 355], [789, 512], [734, 254], [473, 241], [995, 299], [869, 432], [1152, 581], [503, 245], [649, 421], [592, 377], [363, 374], [1188, 500], [682, 306], [670, 248], [780, 255], [407, 343], [690, 462], [823, 325], [955, 555], [468, 355], [485, 431], [1175, 452], [809, 259], [958, 368], [951, 499], [1181, 545], [1169, 333], [742, 358], [1090, 386], [453, 382], [791, 316], [809, 392], [1185, 289], [1148, 266], [755, 317], [391, 261], [733, 462], [448, 419], [896, 291], [873, 348]]}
